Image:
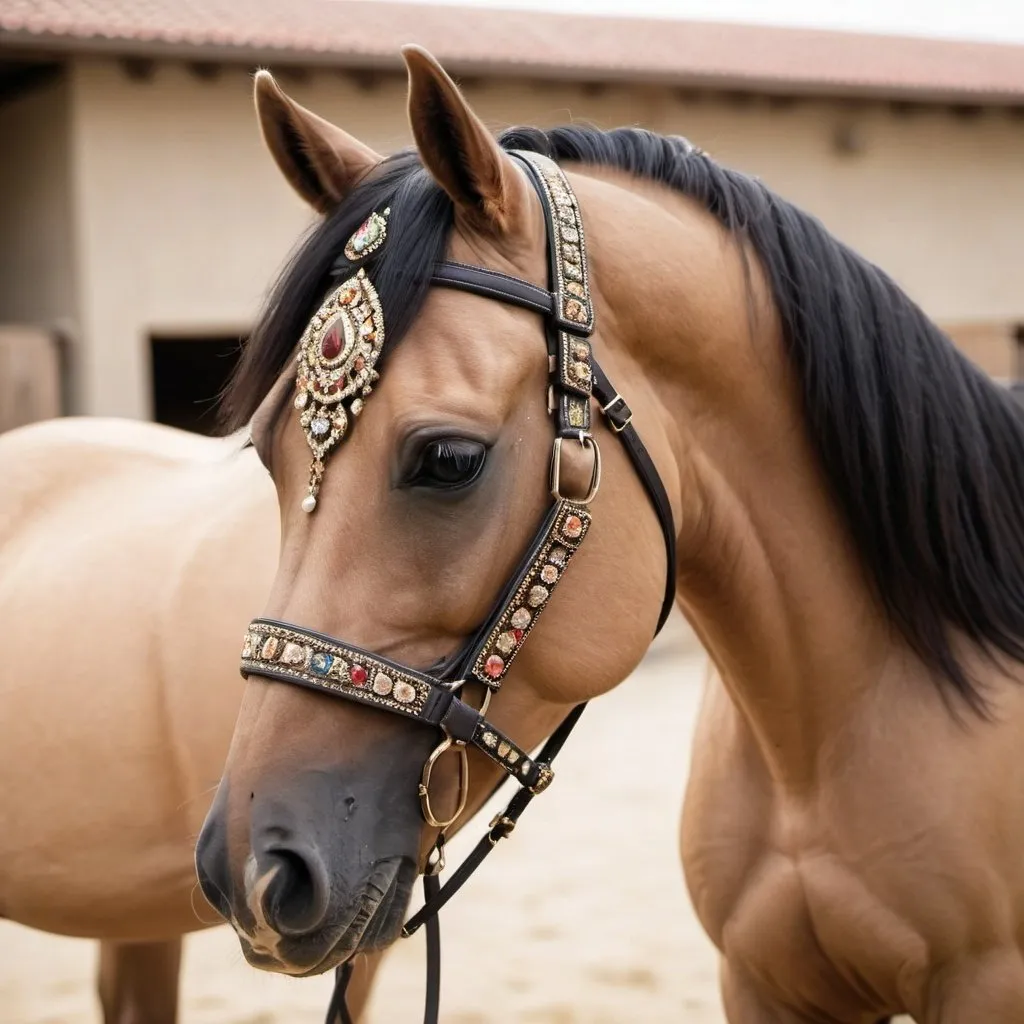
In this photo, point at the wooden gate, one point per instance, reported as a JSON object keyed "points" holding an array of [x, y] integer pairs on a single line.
{"points": [[30, 375]]}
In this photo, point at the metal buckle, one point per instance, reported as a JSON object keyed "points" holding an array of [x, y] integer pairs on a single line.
{"points": [[586, 441], [424, 789], [611, 423], [501, 827], [544, 779]]}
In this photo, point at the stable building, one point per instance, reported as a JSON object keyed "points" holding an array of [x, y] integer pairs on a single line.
{"points": [[141, 221]]}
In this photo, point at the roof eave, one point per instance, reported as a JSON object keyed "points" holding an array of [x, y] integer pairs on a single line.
{"points": [[53, 45]]}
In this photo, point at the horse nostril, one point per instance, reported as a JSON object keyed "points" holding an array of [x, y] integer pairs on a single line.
{"points": [[296, 898]]}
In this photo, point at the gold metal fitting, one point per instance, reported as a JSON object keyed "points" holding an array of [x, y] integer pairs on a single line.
{"points": [[586, 442], [543, 779], [424, 788]]}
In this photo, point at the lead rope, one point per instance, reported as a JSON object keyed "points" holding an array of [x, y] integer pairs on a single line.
{"points": [[435, 896]]}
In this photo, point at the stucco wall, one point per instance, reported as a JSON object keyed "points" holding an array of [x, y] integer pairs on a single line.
{"points": [[36, 279], [182, 219]]}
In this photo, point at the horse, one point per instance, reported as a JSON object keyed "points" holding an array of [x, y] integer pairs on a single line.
{"points": [[129, 554], [845, 493]]}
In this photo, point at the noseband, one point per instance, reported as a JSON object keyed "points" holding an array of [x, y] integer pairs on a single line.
{"points": [[337, 366]]}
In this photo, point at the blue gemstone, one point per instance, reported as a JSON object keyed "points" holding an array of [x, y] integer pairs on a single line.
{"points": [[321, 663]]}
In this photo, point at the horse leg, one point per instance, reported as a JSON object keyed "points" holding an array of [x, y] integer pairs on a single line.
{"points": [[138, 981]]}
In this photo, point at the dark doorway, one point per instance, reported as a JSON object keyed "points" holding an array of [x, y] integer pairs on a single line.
{"points": [[188, 376]]}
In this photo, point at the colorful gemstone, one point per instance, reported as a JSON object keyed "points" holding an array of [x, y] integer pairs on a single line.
{"points": [[330, 347], [348, 295], [382, 684], [368, 236], [269, 649], [320, 663], [506, 643], [494, 666], [359, 363], [549, 574], [358, 675], [503, 749], [293, 654], [404, 693], [537, 596], [572, 527], [575, 310], [518, 634], [521, 618], [557, 555], [490, 740]]}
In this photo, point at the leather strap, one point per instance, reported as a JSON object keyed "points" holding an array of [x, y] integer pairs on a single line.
{"points": [[619, 417], [492, 284]]}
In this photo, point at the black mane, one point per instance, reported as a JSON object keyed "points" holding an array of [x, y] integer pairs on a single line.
{"points": [[923, 452]]}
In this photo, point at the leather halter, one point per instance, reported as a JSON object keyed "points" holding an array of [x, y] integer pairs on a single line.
{"points": [[293, 654]]}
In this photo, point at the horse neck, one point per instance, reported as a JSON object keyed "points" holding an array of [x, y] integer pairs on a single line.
{"points": [[767, 574]]}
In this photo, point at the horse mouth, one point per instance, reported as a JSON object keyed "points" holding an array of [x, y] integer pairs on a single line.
{"points": [[374, 923]]}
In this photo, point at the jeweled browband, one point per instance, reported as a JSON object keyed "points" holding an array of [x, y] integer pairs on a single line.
{"points": [[338, 353]]}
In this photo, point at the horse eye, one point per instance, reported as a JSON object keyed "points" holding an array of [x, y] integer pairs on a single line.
{"points": [[449, 463]]}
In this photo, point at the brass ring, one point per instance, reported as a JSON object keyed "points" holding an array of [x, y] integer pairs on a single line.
{"points": [[446, 744]]}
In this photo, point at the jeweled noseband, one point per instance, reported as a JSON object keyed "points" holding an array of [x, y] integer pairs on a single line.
{"points": [[337, 356]]}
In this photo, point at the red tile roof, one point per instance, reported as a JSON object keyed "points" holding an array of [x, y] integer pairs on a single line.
{"points": [[368, 34]]}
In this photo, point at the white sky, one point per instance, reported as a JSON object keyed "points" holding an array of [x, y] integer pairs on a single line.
{"points": [[995, 20]]}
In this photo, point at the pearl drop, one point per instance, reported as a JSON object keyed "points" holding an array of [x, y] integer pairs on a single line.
{"points": [[308, 503]]}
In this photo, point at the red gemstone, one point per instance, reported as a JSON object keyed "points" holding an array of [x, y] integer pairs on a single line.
{"points": [[518, 634], [330, 347], [358, 675], [359, 363], [494, 666]]}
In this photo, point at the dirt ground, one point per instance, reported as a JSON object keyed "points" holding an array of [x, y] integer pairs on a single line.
{"points": [[580, 917]]}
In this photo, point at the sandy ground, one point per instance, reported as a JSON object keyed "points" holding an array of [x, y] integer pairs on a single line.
{"points": [[580, 917]]}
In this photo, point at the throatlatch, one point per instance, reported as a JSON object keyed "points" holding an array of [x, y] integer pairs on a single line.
{"points": [[338, 353]]}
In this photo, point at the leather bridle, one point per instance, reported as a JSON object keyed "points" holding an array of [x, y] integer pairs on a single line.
{"points": [[293, 654]]}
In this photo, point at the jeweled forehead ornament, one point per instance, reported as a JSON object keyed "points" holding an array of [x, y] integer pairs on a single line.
{"points": [[337, 355]]}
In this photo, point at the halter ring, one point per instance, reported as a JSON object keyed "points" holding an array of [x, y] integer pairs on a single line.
{"points": [[586, 441], [424, 788]]}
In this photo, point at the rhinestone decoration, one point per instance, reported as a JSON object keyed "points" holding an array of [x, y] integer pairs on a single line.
{"points": [[368, 237], [532, 593], [293, 654], [324, 663], [506, 642], [320, 663], [573, 527], [490, 740], [503, 749], [337, 355], [521, 618], [404, 692]]}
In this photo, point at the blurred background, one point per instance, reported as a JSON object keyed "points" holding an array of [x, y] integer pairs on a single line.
{"points": [[141, 223]]}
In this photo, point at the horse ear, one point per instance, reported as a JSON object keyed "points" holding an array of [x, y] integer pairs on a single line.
{"points": [[459, 152], [321, 162]]}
